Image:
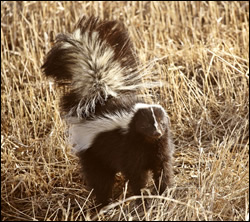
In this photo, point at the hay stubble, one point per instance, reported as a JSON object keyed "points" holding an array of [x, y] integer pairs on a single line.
{"points": [[201, 51]]}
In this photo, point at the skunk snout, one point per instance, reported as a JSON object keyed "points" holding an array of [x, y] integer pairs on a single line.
{"points": [[157, 134]]}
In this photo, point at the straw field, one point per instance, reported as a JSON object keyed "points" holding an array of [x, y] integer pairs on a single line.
{"points": [[200, 50]]}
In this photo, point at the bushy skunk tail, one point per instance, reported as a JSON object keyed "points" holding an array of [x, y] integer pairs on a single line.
{"points": [[97, 62]]}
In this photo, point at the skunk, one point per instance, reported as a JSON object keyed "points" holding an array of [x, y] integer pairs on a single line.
{"points": [[111, 127]]}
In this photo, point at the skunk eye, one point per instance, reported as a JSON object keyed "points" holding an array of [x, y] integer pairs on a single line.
{"points": [[162, 122]]}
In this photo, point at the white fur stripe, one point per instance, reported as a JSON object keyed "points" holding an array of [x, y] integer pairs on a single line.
{"points": [[82, 133], [155, 121], [144, 105]]}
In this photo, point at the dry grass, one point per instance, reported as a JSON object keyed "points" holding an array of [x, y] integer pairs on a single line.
{"points": [[202, 51]]}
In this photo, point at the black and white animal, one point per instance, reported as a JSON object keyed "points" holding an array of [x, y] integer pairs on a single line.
{"points": [[111, 128]]}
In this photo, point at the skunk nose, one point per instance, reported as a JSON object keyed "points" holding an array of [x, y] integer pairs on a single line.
{"points": [[157, 134]]}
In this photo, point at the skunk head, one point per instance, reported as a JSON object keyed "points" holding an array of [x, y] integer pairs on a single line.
{"points": [[150, 121]]}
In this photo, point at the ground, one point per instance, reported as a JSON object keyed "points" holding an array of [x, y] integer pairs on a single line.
{"points": [[200, 50]]}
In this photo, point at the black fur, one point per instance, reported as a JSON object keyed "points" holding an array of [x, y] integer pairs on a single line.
{"points": [[133, 153]]}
